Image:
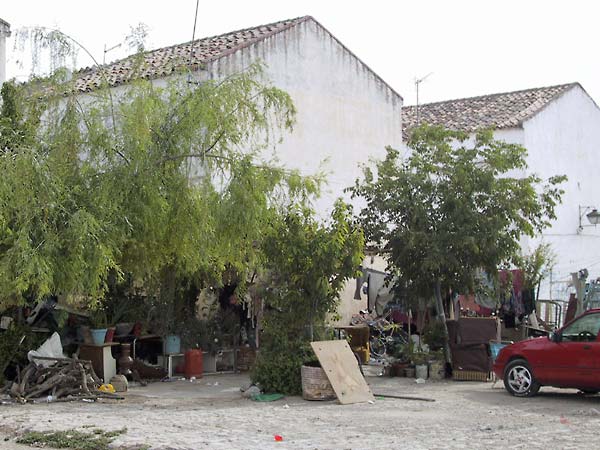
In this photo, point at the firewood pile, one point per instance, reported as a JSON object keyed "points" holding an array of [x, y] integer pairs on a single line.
{"points": [[66, 380]]}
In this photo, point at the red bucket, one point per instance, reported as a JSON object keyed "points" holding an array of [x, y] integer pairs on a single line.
{"points": [[193, 364]]}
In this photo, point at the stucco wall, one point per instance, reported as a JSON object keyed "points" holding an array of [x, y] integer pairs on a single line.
{"points": [[345, 113], [564, 138]]}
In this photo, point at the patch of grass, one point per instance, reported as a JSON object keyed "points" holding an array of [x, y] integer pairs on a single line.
{"points": [[72, 439]]}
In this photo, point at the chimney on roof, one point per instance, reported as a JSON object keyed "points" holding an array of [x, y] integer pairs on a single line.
{"points": [[4, 33]]}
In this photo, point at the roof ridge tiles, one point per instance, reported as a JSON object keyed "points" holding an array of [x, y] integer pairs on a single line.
{"points": [[499, 110], [497, 94], [206, 39], [165, 61]]}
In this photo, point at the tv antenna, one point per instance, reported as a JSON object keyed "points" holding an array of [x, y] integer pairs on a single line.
{"points": [[106, 50], [418, 81]]}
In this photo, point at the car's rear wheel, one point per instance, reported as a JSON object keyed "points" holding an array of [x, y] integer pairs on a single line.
{"points": [[589, 391], [519, 380]]}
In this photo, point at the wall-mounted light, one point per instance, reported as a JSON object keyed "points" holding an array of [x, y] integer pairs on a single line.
{"points": [[592, 214]]}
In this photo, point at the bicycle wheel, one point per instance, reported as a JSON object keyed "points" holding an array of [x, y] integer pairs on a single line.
{"points": [[377, 347]]}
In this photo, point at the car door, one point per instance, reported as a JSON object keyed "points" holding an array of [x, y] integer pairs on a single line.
{"points": [[573, 361]]}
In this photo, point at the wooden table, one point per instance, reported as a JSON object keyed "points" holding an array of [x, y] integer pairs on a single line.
{"points": [[101, 357]]}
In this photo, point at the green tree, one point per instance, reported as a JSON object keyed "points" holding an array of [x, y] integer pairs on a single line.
{"points": [[163, 183], [452, 207], [307, 265]]}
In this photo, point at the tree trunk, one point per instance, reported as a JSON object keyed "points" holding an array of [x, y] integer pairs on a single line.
{"points": [[439, 303]]}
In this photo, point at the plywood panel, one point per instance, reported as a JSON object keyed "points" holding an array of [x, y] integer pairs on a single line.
{"points": [[342, 369]]}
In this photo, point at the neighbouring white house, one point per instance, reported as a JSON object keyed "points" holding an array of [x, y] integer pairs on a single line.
{"points": [[560, 128]]}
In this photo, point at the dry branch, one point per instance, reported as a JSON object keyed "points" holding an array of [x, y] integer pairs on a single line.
{"points": [[67, 379]]}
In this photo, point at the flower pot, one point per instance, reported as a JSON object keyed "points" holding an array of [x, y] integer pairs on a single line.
{"points": [[315, 384], [398, 369], [172, 344], [110, 334], [98, 335]]}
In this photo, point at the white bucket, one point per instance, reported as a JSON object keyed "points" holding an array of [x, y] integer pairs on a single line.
{"points": [[421, 371]]}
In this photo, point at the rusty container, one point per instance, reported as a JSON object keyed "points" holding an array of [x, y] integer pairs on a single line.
{"points": [[193, 363]]}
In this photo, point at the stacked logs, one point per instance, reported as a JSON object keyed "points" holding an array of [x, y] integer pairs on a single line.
{"points": [[66, 380]]}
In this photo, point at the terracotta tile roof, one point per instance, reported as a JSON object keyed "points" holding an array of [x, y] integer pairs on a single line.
{"points": [[165, 61], [505, 110]]}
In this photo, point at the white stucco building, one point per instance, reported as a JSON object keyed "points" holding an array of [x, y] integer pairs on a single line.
{"points": [[560, 128], [346, 112]]}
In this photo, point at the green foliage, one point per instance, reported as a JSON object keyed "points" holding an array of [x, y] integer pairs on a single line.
{"points": [[418, 358], [403, 352], [434, 336], [77, 440], [160, 184], [277, 368], [535, 264], [18, 119], [14, 345], [99, 317], [308, 264], [452, 207]]}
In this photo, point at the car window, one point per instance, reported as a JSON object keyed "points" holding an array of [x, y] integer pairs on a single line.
{"points": [[584, 329]]}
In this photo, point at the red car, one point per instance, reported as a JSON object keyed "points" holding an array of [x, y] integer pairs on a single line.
{"points": [[568, 358]]}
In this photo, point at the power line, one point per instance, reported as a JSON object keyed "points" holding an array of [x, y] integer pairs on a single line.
{"points": [[193, 38]]}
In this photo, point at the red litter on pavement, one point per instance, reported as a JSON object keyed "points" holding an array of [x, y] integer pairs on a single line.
{"points": [[278, 438]]}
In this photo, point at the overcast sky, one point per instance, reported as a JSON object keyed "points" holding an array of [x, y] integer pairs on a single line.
{"points": [[470, 47]]}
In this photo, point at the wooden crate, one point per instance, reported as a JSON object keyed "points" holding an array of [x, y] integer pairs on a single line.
{"points": [[245, 358], [469, 375]]}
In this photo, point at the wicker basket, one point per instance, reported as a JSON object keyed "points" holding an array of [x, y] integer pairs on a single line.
{"points": [[469, 375], [315, 385], [120, 383]]}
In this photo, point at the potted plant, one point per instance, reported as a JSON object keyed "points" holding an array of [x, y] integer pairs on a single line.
{"points": [[437, 365], [433, 335], [401, 354], [308, 264], [420, 360], [99, 323]]}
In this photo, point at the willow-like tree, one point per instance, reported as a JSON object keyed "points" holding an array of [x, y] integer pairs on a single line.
{"points": [[160, 183], [451, 208]]}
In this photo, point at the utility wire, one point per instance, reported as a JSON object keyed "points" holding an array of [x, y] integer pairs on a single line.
{"points": [[193, 37]]}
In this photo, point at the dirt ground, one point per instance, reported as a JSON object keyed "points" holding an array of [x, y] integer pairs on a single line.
{"points": [[210, 413]]}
